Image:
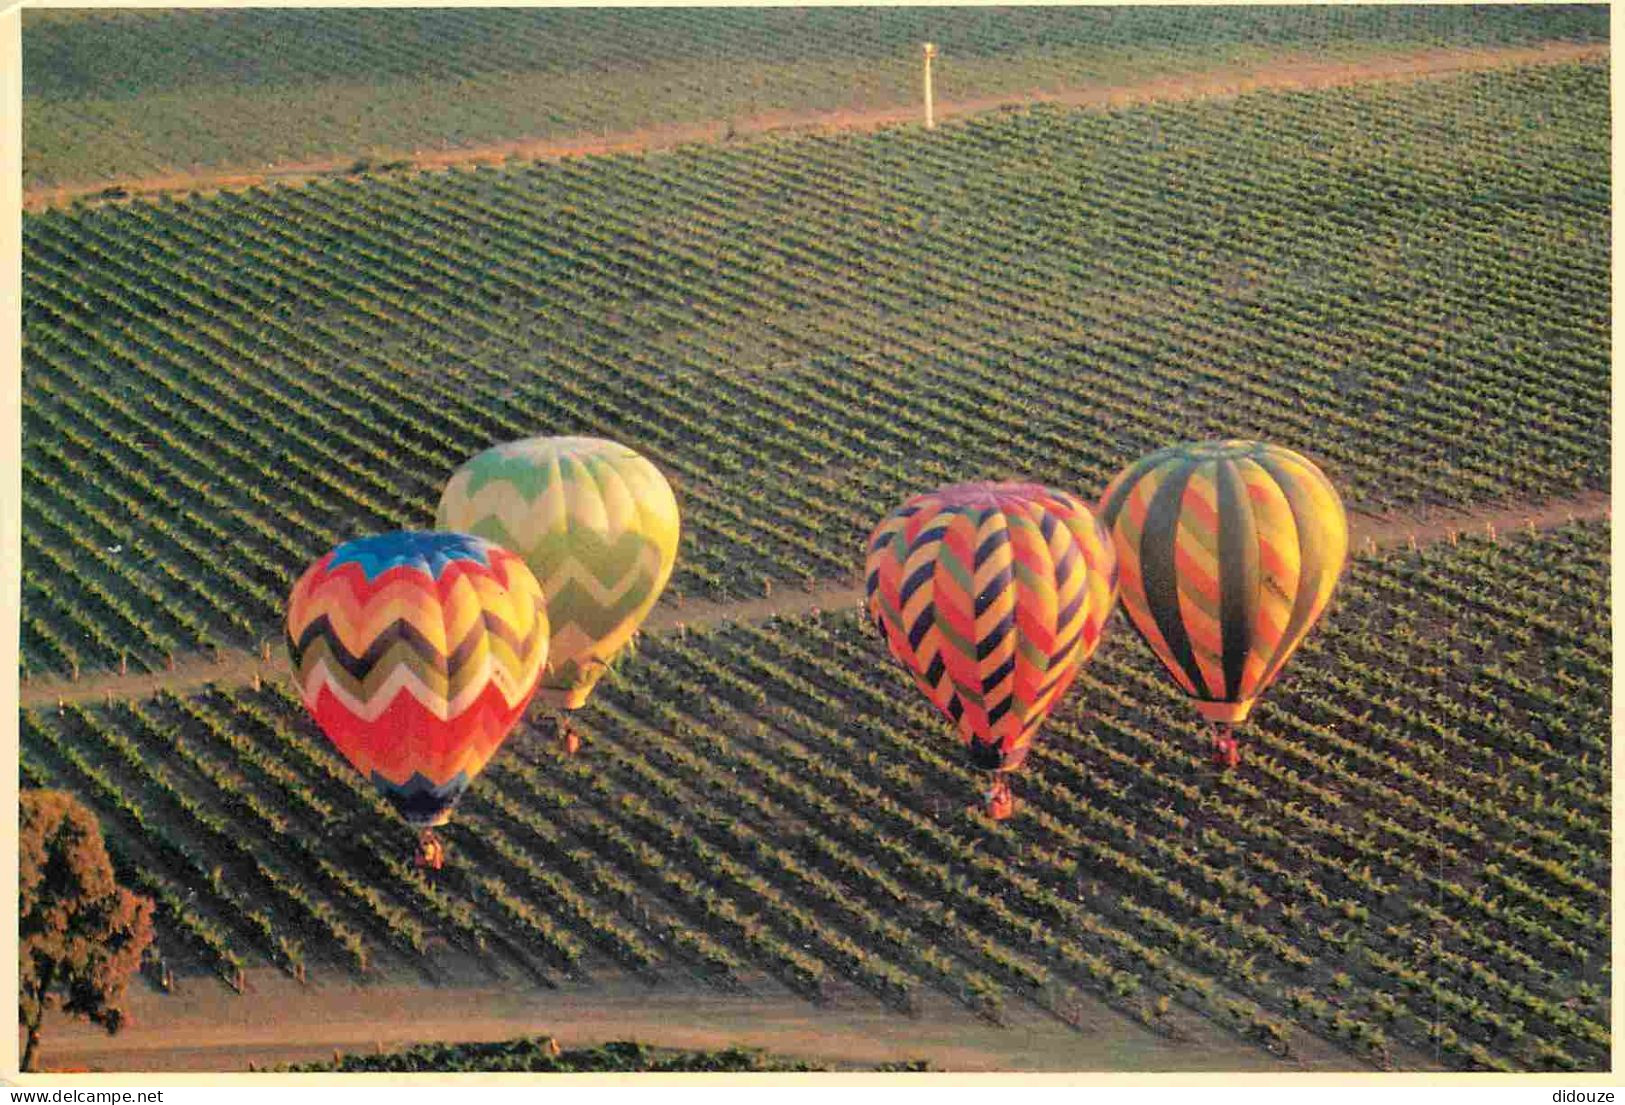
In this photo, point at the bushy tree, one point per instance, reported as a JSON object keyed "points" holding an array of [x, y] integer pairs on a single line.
{"points": [[80, 934]]}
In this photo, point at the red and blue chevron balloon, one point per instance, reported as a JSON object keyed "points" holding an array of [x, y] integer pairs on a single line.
{"points": [[416, 653], [992, 595]]}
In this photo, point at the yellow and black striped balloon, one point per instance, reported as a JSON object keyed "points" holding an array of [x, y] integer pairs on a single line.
{"points": [[1228, 552]]}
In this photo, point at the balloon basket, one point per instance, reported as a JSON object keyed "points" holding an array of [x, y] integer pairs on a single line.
{"points": [[1226, 752], [431, 854], [563, 735], [999, 803]]}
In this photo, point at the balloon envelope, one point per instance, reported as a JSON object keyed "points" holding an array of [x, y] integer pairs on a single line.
{"points": [[596, 523], [992, 595], [1229, 552], [416, 653]]}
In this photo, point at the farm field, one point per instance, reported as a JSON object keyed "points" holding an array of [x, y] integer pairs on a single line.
{"points": [[1406, 280], [532, 1055], [1413, 857], [186, 90], [217, 391]]}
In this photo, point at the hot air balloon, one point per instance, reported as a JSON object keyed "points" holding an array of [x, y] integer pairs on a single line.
{"points": [[598, 526], [1229, 553], [416, 653], [992, 595]]}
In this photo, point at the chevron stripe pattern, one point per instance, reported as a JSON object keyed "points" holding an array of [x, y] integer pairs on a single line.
{"points": [[598, 526], [1229, 552], [416, 653], [992, 595]]}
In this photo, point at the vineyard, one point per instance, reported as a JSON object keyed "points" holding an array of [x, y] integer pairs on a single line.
{"points": [[184, 89], [1408, 283], [1412, 860], [535, 1055]]}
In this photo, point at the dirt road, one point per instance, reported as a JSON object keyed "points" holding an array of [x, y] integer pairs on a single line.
{"points": [[1294, 71], [204, 1026], [237, 668]]}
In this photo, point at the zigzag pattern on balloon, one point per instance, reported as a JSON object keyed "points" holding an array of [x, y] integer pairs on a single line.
{"points": [[545, 487], [1224, 606], [991, 596], [416, 653], [400, 659], [405, 742], [598, 631], [440, 639], [572, 498], [602, 583], [357, 611], [598, 526]]}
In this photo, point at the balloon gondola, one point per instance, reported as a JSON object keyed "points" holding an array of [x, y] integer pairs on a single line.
{"points": [[431, 853], [992, 595], [1229, 552], [416, 653]]}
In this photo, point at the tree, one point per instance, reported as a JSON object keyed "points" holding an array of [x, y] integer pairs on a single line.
{"points": [[80, 934]]}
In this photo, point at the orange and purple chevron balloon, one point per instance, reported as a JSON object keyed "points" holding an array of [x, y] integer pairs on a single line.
{"points": [[992, 595], [1229, 552], [416, 653]]}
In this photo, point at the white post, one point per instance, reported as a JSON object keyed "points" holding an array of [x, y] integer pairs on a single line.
{"points": [[930, 114]]}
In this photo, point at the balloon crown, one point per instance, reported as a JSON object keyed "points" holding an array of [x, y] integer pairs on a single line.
{"points": [[426, 549], [570, 445], [1222, 450], [987, 494]]}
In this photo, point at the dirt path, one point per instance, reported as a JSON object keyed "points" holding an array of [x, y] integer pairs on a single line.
{"points": [[1285, 72], [237, 668], [203, 1026], [1387, 531]]}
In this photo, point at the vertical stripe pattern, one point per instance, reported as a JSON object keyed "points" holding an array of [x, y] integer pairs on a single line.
{"points": [[1229, 553], [991, 596]]}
